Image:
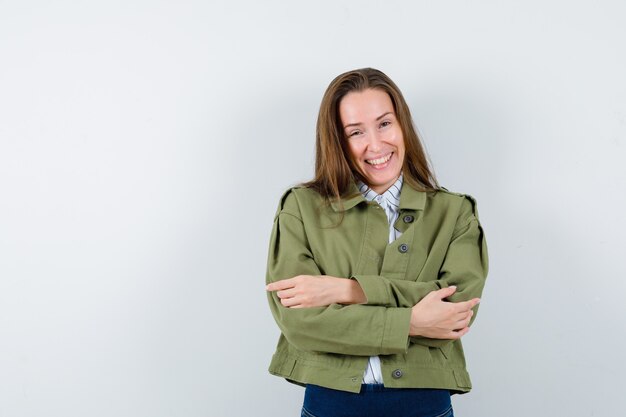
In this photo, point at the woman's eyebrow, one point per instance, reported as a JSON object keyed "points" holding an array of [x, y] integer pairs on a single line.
{"points": [[352, 124], [377, 119], [383, 115]]}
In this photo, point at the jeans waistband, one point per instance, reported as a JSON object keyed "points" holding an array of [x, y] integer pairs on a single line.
{"points": [[373, 388]]}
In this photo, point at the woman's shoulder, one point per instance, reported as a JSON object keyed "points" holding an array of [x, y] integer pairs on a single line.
{"points": [[464, 203], [444, 193], [295, 198]]}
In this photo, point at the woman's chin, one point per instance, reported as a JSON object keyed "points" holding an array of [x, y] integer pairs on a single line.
{"points": [[382, 178]]}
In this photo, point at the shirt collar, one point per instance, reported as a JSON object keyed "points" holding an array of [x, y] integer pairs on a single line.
{"points": [[410, 198], [392, 194]]}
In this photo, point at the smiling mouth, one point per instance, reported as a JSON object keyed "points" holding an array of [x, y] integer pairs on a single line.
{"points": [[379, 161]]}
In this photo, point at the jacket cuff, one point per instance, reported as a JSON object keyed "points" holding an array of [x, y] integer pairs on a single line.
{"points": [[374, 289], [427, 341], [396, 331]]}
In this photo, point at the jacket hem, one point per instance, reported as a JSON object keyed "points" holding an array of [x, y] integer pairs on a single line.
{"points": [[301, 372]]}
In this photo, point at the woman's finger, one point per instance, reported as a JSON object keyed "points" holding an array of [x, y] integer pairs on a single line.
{"points": [[288, 293], [280, 285], [460, 333], [464, 306], [463, 315], [289, 302], [464, 322]]}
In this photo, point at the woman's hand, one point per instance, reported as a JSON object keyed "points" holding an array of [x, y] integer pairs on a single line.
{"points": [[317, 291], [438, 319]]}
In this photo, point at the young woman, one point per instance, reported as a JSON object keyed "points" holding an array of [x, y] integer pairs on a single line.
{"points": [[374, 271]]}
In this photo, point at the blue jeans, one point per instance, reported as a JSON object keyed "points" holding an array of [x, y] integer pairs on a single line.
{"points": [[375, 400]]}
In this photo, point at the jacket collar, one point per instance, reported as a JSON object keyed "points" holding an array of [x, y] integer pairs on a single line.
{"points": [[410, 198], [352, 198]]}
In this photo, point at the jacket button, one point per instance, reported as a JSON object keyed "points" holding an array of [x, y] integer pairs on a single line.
{"points": [[403, 248], [397, 373], [408, 218]]}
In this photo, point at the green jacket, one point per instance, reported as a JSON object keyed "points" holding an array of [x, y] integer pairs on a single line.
{"points": [[442, 244]]}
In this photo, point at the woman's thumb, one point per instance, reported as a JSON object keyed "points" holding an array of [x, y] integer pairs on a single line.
{"points": [[446, 292]]}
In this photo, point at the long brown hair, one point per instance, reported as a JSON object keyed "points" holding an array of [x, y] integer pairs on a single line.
{"points": [[334, 169]]}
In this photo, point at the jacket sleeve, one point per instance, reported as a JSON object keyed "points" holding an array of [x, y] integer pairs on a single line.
{"points": [[465, 265], [345, 329]]}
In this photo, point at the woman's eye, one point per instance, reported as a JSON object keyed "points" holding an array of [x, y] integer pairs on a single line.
{"points": [[355, 133], [385, 123]]}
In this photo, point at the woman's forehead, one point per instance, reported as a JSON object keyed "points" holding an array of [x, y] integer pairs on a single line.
{"points": [[363, 106]]}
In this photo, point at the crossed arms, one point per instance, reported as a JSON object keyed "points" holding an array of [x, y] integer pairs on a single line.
{"points": [[371, 315]]}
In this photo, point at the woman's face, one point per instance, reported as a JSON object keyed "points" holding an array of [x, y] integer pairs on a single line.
{"points": [[374, 136]]}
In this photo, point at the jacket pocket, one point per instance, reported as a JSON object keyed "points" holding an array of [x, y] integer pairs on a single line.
{"points": [[446, 350], [462, 379], [282, 366]]}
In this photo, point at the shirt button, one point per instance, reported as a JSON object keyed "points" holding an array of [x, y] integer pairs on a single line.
{"points": [[408, 218], [403, 248], [397, 373]]}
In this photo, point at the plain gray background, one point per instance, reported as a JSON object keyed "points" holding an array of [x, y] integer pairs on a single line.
{"points": [[144, 146]]}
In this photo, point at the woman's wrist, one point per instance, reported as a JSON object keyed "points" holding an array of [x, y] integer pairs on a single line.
{"points": [[354, 293]]}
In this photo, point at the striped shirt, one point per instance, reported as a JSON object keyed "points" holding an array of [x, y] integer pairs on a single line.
{"points": [[390, 202]]}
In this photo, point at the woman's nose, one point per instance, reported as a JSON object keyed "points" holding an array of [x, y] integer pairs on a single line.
{"points": [[375, 141]]}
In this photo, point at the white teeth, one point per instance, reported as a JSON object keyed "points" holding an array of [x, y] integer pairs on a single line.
{"points": [[379, 160]]}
